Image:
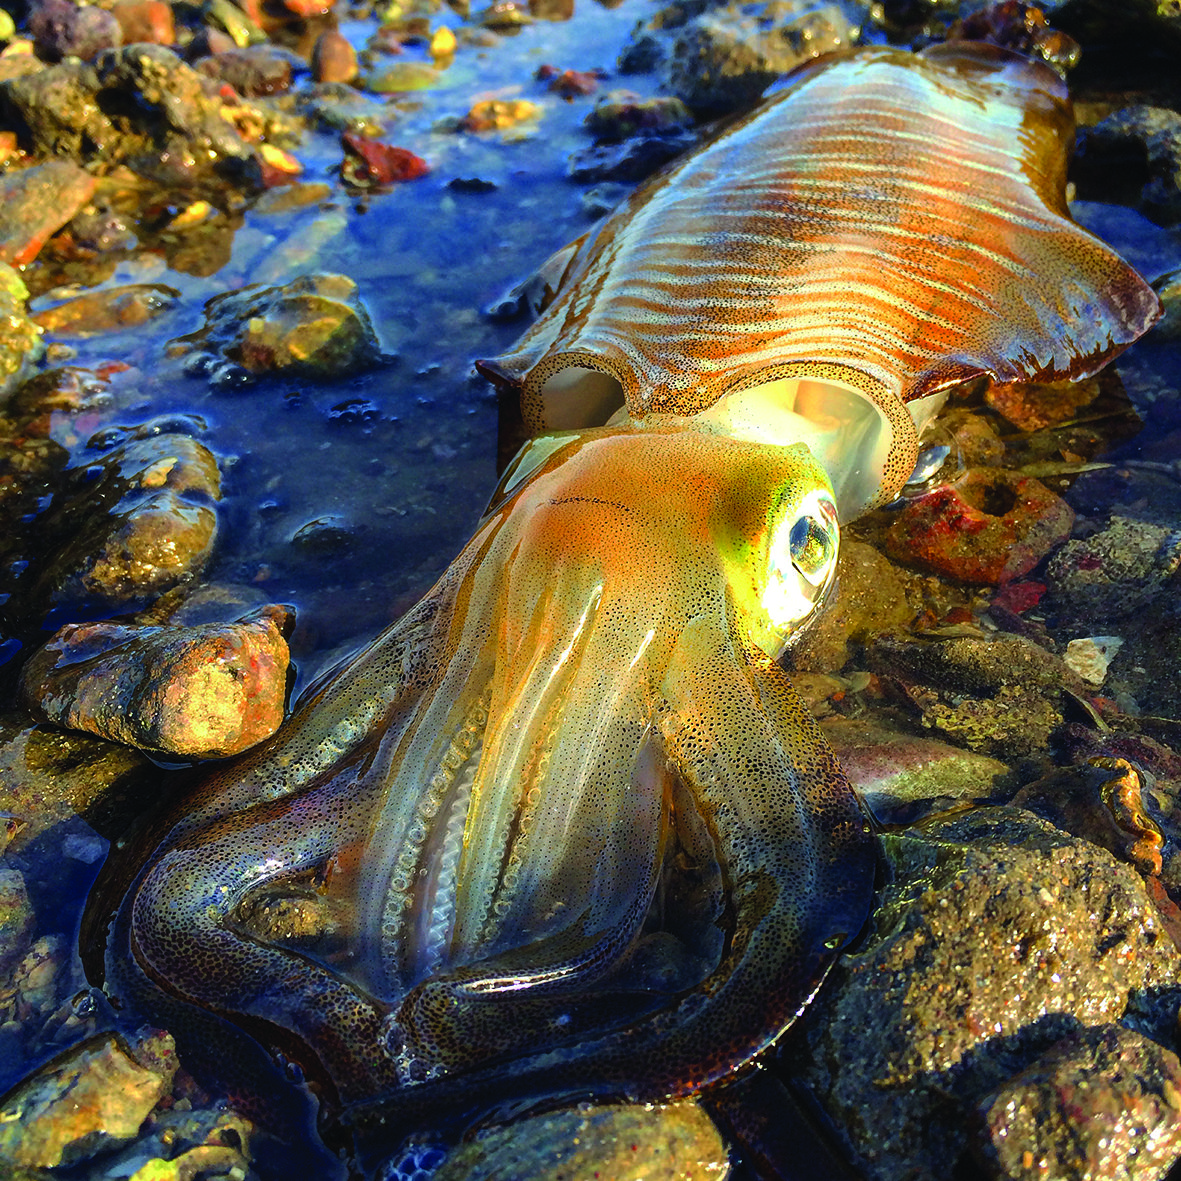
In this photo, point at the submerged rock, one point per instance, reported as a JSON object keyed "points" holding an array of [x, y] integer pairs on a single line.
{"points": [[1100, 1105], [206, 691], [315, 326], [126, 527], [1138, 145], [998, 936], [48, 776], [1115, 573], [989, 527], [656, 1142], [96, 1097]]}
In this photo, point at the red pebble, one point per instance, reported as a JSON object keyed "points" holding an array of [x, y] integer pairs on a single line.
{"points": [[382, 164], [1019, 597], [989, 528]]}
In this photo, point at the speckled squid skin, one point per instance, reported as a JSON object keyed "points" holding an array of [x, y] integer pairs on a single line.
{"points": [[585, 658], [486, 794], [895, 219]]}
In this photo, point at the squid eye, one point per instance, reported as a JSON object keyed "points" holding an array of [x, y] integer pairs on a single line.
{"points": [[801, 564], [813, 547]]}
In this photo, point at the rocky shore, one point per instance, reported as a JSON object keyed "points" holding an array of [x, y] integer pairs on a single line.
{"points": [[247, 253]]}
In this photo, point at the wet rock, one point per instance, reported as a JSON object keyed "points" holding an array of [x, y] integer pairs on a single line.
{"points": [[315, 326], [726, 58], [990, 527], [254, 71], [62, 29], [1138, 146], [207, 691], [870, 600], [181, 1145], [127, 527], [38, 201], [141, 105], [369, 162], [148, 21], [94, 1099], [1032, 407], [114, 309], [1020, 27], [499, 114], [337, 107], [998, 936], [101, 228], [1115, 573], [999, 697], [16, 919], [1103, 1103], [20, 342], [660, 1142], [48, 776], [333, 58], [621, 114], [569, 84], [631, 161], [902, 777]]}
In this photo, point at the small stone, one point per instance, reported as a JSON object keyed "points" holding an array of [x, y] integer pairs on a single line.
{"points": [[253, 71], [1091, 656], [901, 777], [62, 29], [1139, 145], [499, 114], [315, 326], [146, 21], [990, 527], [370, 162], [38, 201], [659, 1142], [208, 691], [1104, 1103], [20, 342], [333, 58], [94, 1100], [114, 309]]}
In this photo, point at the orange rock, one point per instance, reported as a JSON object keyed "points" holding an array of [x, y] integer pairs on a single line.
{"points": [[206, 691], [145, 20]]}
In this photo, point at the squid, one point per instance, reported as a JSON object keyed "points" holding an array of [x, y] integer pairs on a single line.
{"points": [[566, 829]]}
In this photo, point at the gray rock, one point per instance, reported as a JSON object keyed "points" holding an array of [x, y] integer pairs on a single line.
{"points": [[1101, 1105], [1115, 573], [62, 29], [998, 936], [1143, 142], [726, 58]]}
